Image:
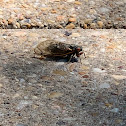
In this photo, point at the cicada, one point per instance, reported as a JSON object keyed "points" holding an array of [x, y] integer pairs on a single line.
{"points": [[56, 49]]}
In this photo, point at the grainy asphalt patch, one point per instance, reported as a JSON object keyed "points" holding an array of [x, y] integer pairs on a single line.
{"points": [[60, 14]]}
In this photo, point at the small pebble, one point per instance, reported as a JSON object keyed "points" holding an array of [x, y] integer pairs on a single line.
{"points": [[61, 62], [22, 80], [102, 50], [85, 26], [10, 21], [77, 3], [21, 17], [104, 85], [21, 124], [53, 11], [47, 78], [60, 72], [120, 67], [119, 77], [98, 70], [60, 123], [108, 105], [17, 24], [75, 35], [71, 67], [85, 76], [70, 0], [82, 73], [100, 24], [67, 33], [103, 10], [72, 19], [84, 67], [55, 95], [16, 95], [92, 25], [115, 110], [32, 76], [88, 21], [70, 26], [23, 103], [69, 119], [57, 0], [1, 114], [1, 85], [33, 81], [60, 18]]}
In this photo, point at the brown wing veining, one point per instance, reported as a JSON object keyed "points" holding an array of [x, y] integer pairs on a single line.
{"points": [[52, 48]]}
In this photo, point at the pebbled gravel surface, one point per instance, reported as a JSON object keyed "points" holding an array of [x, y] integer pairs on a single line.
{"points": [[58, 14], [37, 92]]}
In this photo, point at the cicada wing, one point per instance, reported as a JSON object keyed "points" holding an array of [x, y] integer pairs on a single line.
{"points": [[60, 49], [42, 48]]}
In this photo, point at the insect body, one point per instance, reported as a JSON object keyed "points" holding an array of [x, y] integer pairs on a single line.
{"points": [[52, 48]]}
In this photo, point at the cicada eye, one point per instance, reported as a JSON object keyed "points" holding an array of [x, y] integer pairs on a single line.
{"points": [[78, 49]]}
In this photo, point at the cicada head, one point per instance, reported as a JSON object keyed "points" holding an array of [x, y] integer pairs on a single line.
{"points": [[78, 51]]}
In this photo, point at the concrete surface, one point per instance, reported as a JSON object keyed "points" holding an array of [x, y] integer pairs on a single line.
{"points": [[35, 92]]}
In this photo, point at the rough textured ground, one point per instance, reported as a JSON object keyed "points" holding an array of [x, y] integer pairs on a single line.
{"points": [[67, 14], [34, 92]]}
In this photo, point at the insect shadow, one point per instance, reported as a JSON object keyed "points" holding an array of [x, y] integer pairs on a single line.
{"points": [[59, 59]]}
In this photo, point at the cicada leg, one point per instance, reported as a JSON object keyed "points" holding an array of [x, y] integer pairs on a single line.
{"points": [[33, 55], [42, 57], [84, 55], [39, 57], [70, 57], [81, 59]]}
